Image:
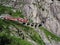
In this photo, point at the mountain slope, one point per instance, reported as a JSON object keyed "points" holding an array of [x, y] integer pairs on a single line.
{"points": [[43, 12]]}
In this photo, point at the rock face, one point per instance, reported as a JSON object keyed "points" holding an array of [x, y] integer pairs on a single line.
{"points": [[47, 11], [41, 11], [44, 10]]}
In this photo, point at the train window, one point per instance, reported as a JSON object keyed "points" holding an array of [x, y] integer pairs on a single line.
{"points": [[24, 23], [36, 25], [40, 25], [32, 24], [28, 23], [52, 0]]}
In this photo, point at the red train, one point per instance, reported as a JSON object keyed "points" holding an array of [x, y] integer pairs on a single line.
{"points": [[23, 20], [16, 19]]}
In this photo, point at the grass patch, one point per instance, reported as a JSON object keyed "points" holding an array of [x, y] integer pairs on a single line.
{"points": [[36, 37], [8, 10], [50, 35], [6, 39], [4, 9]]}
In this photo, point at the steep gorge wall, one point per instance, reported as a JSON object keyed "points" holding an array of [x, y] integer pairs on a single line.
{"points": [[44, 10], [47, 11]]}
